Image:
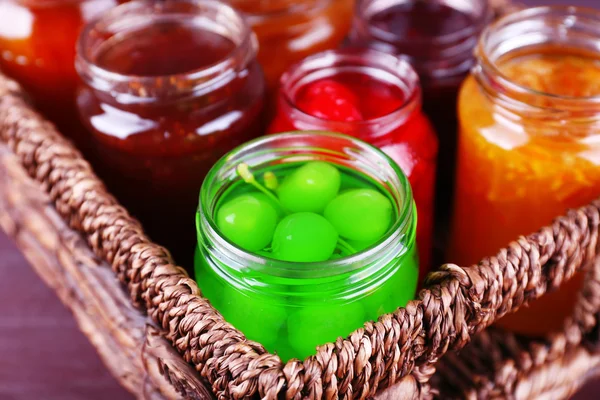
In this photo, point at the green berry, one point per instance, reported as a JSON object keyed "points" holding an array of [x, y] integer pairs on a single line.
{"points": [[360, 214], [310, 188], [304, 237], [312, 326], [258, 317], [248, 220]]}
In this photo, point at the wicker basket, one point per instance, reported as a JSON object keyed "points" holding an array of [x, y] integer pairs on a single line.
{"points": [[161, 339]]}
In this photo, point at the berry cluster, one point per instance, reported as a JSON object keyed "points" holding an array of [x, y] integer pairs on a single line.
{"points": [[349, 97], [305, 218]]}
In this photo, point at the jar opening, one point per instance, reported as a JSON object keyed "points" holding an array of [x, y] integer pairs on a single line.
{"points": [[117, 51], [561, 30], [380, 66], [296, 147], [437, 49], [477, 11]]}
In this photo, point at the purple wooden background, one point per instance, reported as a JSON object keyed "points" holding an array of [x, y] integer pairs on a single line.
{"points": [[42, 353]]}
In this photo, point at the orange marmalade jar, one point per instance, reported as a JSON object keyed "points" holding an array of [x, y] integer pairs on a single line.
{"points": [[289, 30], [37, 48], [529, 142]]}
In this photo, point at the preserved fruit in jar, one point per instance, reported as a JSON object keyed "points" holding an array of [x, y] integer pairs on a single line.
{"points": [[280, 225], [169, 88], [529, 143]]}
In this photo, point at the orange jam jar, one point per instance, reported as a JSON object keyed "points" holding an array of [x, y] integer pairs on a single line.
{"points": [[289, 30], [37, 48], [529, 142]]}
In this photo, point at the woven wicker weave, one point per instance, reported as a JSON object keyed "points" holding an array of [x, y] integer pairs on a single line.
{"points": [[72, 230]]}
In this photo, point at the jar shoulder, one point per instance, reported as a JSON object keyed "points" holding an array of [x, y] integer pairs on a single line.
{"points": [[175, 126], [518, 158], [483, 117]]}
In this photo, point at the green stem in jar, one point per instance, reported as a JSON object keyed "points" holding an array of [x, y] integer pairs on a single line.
{"points": [[345, 246], [244, 172], [270, 180]]}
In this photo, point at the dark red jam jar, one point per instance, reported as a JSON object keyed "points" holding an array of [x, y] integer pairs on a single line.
{"points": [[373, 96], [169, 88], [438, 38]]}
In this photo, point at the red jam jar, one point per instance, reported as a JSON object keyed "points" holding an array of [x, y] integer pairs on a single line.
{"points": [[438, 38], [373, 96], [169, 88], [37, 48]]}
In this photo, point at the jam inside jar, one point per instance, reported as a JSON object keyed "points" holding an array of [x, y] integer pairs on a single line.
{"points": [[529, 142], [37, 48], [375, 97], [290, 30], [169, 87], [438, 38], [298, 292]]}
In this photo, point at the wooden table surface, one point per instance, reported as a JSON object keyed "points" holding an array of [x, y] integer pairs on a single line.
{"points": [[44, 356]]}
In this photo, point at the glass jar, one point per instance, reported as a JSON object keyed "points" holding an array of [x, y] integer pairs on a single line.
{"points": [[293, 307], [169, 87], [529, 145], [37, 48], [438, 38], [289, 30], [389, 101]]}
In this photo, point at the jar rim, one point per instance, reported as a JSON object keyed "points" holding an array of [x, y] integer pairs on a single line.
{"points": [[293, 8], [403, 229], [351, 58], [201, 79], [49, 3], [446, 39], [487, 67]]}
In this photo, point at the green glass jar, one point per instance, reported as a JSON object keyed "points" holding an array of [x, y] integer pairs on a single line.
{"points": [[292, 307]]}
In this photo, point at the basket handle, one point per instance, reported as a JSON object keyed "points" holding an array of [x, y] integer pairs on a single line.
{"points": [[522, 272], [501, 360], [525, 270]]}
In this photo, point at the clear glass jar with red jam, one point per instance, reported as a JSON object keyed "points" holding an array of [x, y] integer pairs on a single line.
{"points": [[290, 30], [438, 37], [169, 88], [373, 96], [37, 48]]}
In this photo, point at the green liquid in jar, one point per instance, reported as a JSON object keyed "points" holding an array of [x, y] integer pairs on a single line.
{"points": [[292, 312]]}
